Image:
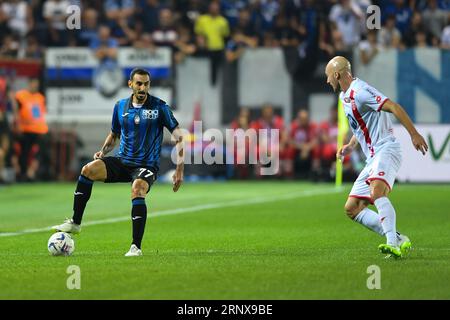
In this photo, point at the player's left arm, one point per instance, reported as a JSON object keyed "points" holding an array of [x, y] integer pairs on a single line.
{"points": [[179, 171], [417, 140]]}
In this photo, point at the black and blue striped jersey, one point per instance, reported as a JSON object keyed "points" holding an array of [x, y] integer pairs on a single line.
{"points": [[141, 130]]}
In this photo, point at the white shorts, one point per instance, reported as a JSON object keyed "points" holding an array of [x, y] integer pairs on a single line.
{"points": [[383, 166]]}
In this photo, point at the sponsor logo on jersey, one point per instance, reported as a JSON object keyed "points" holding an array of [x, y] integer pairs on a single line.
{"points": [[150, 114]]}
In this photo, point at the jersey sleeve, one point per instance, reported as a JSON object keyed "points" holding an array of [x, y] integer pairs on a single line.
{"points": [[168, 119], [371, 97], [115, 124]]}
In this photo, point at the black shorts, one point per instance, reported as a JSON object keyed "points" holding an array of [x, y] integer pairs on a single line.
{"points": [[116, 171]]}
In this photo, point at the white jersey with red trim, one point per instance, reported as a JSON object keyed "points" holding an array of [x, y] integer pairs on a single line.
{"points": [[362, 105]]}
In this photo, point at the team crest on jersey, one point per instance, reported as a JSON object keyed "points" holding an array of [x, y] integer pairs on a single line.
{"points": [[137, 119], [150, 114], [347, 100]]}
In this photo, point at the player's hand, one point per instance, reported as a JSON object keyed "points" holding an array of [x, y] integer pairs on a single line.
{"points": [[98, 155], [177, 179], [419, 143], [345, 150]]}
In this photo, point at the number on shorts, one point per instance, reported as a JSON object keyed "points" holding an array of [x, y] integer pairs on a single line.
{"points": [[142, 170]]}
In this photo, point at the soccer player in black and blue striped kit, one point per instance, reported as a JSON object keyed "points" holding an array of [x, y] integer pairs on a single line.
{"points": [[138, 121]]}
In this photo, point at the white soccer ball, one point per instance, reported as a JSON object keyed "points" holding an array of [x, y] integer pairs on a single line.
{"points": [[61, 244]]}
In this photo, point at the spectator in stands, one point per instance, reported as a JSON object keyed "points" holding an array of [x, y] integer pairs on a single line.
{"points": [[165, 34], [409, 39], [30, 117], [231, 10], [236, 45], [147, 12], [121, 20], [445, 37], [402, 13], [338, 44], [55, 14], [117, 10], [421, 38], [10, 46], [5, 133], [328, 132], [389, 36], [33, 49], [4, 143], [247, 26], [124, 31], [267, 10], [369, 48], [304, 141], [434, 20], [269, 121], [306, 22], [214, 28], [185, 44], [190, 11], [269, 40], [104, 46], [89, 27], [241, 151], [19, 16], [145, 41], [282, 31], [39, 22], [326, 40], [347, 17]]}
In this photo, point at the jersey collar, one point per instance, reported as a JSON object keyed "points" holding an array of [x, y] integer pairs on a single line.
{"points": [[147, 104], [350, 87]]}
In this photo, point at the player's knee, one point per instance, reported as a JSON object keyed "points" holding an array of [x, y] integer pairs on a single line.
{"points": [[378, 192], [87, 172], [139, 189], [352, 210]]}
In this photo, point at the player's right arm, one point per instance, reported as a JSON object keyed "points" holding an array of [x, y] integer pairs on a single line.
{"points": [[347, 148], [109, 145], [112, 137], [417, 140]]}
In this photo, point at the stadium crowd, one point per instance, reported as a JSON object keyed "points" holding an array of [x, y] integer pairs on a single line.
{"points": [[307, 150], [222, 30], [209, 27]]}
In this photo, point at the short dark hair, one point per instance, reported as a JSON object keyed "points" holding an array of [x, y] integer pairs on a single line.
{"points": [[139, 71]]}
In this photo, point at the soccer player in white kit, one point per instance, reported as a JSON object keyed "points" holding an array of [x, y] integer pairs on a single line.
{"points": [[367, 111]]}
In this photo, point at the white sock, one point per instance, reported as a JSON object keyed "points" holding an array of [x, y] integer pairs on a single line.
{"points": [[370, 219], [387, 218]]}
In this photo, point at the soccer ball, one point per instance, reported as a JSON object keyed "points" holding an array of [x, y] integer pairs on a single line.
{"points": [[61, 244]]}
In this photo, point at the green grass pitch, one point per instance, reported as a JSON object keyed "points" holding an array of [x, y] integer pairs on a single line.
{"points": [[233, 240]]}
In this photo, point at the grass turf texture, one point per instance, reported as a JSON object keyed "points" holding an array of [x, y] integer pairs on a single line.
{"points": [[262, 240]]}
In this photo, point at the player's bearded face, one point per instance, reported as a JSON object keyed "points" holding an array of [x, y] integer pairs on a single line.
{"points": [[140, 86]]}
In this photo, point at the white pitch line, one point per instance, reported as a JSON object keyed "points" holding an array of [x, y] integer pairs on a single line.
{"points": [[192, 209]]}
